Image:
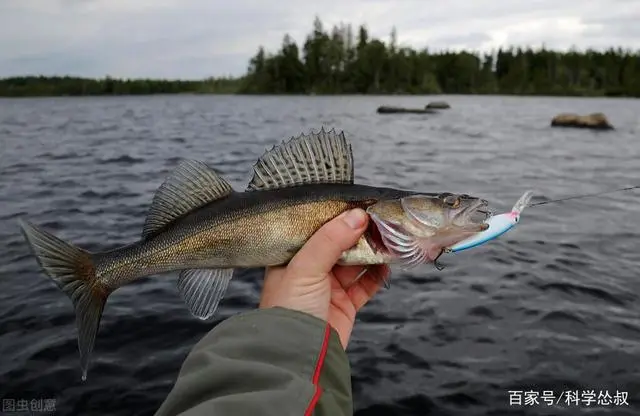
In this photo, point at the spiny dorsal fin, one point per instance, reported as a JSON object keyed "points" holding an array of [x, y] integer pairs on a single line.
{"points": [[191, 185], [323, 157]]}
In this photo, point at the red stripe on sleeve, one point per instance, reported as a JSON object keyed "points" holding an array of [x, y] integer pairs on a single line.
{"points": [[318, 370]]}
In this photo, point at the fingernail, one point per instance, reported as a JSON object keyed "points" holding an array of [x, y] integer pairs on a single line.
{"points": [[355, 218]]}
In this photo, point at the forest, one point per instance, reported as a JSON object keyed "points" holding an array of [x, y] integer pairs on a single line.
{"points": [[347, 61], [34, 86]]}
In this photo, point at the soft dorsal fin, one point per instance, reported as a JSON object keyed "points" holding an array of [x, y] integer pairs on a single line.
{"points": [[191, 185], [323, 157]]}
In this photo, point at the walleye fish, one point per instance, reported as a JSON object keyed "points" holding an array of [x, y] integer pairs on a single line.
{"points": [[198, 225]]}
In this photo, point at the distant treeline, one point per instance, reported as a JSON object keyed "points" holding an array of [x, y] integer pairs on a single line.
{"points": [[341, 62], [74, 86]]}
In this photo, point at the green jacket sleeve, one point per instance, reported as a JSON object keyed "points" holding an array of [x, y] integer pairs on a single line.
{"points": [[265, 362]]}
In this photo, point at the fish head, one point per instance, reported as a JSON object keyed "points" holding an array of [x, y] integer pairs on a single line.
{"points": [[417, 228], [444, 210]]}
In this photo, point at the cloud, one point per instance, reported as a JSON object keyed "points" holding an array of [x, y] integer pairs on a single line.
{"points": [[200, 38]]}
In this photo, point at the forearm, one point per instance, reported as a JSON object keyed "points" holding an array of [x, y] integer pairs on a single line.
{"points": [[268, 361]]}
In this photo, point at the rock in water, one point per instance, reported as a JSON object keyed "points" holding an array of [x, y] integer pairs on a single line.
{"points": [[597, 121], [440, 105], [385, 109]]}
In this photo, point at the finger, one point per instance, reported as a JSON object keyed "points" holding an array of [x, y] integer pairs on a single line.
{"points": [[347, 275], [340, 299], [321, 252], [273, 274], [365, 288], [363, 291], [272, 280]]}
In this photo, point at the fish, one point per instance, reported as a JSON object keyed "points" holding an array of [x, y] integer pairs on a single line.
{"points": [[199, 226]]}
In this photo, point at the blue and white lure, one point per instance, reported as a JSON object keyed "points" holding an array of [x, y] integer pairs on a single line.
{"points": [[498, 225]]}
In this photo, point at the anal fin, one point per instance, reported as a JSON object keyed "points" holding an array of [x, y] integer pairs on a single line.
{"points": [[203, 289]]}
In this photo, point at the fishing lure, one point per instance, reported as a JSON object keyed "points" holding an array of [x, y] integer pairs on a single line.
{"points": [[498, 225]]}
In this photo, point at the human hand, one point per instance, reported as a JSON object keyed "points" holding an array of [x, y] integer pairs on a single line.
{"points": [[314, 284]]}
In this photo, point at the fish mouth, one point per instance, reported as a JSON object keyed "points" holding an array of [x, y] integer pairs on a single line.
{"points": [[475, 213]]}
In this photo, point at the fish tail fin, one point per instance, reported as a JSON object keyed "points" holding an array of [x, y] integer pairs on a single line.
{"points": [[73, 270]]}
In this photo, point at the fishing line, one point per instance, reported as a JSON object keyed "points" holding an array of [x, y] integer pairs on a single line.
{"points": [[628, 188]]}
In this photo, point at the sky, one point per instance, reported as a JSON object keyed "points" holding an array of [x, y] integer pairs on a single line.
{"points": [[193, 39]]}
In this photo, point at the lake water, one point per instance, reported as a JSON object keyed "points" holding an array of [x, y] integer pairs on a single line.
{"points": [[552, 306]]}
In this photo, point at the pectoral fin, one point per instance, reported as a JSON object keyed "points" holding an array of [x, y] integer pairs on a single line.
{"points": [[202, 290], [371, 271]]}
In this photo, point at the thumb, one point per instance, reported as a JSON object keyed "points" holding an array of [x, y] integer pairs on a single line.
{"points": [[321, 252]]}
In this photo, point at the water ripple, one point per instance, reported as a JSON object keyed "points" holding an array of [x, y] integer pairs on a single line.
{"points": [[551, 306]]}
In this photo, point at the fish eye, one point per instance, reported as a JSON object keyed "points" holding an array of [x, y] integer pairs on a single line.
{"points": [[453, 201]]}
